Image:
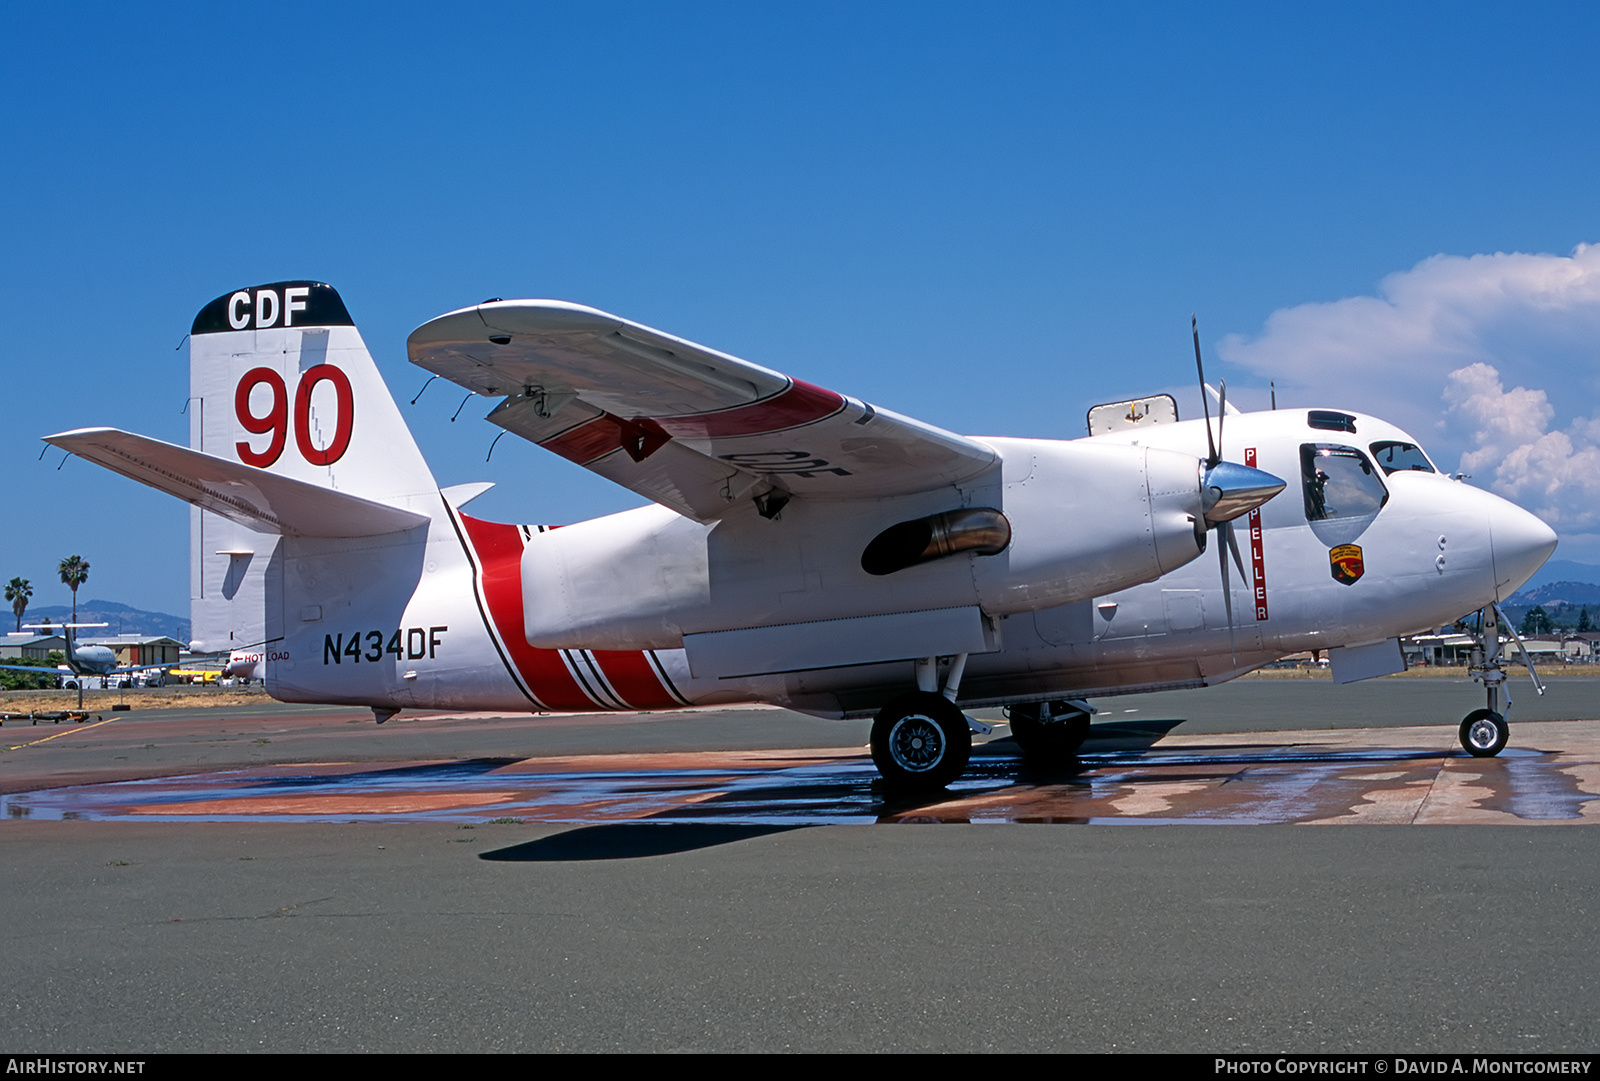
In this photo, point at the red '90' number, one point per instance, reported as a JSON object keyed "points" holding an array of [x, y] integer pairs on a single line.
{"points": [[276, 419]]}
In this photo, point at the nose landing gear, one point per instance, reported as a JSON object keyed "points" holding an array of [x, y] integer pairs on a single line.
{"points": [[1484, 732]]}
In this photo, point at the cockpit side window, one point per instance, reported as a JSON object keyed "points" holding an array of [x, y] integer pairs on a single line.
{"points": [[1396, 457], [1339, 482]]}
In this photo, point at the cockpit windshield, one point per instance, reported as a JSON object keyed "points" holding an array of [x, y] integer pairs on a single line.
{"points": [[1396, 457], [1339, 482]]}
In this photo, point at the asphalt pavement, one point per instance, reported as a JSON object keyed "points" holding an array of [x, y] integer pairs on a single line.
{"points": [[666, 932]]}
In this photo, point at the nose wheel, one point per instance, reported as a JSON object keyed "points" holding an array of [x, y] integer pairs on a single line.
{"points": [[1484, 733], [920, 742]]}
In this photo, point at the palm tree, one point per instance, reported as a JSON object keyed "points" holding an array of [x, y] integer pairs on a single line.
{"points": [[17, 592], [74, 572]]}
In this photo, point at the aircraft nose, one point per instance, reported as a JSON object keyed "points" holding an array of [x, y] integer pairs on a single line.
{"points": [[1520, 543]]}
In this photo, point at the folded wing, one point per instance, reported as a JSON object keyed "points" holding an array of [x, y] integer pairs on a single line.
{"points": [[688, 427]]}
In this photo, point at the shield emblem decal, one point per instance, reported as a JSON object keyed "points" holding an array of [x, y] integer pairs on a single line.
{"points": [[1346, 563]]}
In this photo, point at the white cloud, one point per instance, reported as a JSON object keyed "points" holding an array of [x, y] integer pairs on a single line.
{"points": [[1501, 419], [1428, 352], [1554, 474]]}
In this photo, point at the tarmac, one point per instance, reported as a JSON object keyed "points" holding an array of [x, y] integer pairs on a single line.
{"points": [[281, 878]]}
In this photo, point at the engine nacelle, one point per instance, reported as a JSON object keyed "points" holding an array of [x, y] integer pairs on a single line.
{"points": [[1054, 523], [1088, 519]]}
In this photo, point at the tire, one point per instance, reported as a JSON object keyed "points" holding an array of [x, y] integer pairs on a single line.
{"points": [[1484, 733], [1053, 739], [920, 742]]}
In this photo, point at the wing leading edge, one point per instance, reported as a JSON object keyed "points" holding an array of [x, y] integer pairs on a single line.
{"points": [[693, 429]]}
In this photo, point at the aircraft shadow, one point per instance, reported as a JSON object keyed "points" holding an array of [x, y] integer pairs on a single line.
{"points": [[631, 840], [429, 772], [1112, 737]]}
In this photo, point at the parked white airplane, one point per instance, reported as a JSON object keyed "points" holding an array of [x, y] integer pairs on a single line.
{"points": [[804, 548], [82, 660]]}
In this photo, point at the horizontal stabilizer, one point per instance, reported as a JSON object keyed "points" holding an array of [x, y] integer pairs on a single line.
{"points": [[255, 498]]}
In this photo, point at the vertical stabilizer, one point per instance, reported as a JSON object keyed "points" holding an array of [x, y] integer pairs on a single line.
{"points": [[280, 379]]}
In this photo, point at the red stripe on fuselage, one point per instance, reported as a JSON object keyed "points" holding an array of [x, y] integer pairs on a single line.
{"points": [[1258, 561], [499, 551], [632, 677]]}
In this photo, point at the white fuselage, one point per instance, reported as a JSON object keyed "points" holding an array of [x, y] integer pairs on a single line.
{"points": [[442, 615]]}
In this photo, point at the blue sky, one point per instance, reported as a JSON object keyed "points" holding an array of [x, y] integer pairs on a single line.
{"points": [[987, 216]]}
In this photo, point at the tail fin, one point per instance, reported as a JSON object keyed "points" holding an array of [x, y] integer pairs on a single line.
{"points": [[280, 379], [285, 383]]}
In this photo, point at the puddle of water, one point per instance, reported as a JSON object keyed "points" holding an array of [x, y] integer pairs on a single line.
{"points": [[1149, 786]]}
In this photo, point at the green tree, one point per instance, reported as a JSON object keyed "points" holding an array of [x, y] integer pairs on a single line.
{"points": [[1537, 621], [17, 592], [74, 572], [1584, 624], [21, 681]]}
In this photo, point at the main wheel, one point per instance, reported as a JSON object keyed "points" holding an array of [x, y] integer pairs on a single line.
{"points": [[1484, 733], [920, 742], [1049, 730]]}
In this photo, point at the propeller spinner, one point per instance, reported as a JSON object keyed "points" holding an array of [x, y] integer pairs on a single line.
{"points": [[1230, 489]]}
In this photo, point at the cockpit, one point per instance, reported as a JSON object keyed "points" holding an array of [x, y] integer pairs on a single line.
{"points": [[1340, 481], [1394, 456]]}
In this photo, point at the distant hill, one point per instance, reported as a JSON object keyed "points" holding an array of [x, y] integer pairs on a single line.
{"points": [[1569, 593], [1563, 570], [119, 619], [1563, 588]]}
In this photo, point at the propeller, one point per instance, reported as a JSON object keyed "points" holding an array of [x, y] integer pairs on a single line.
{"points": [[1227, 489]]}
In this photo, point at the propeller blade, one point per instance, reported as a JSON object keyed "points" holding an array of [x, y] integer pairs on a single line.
{"points": [[1199, 366], [1222, 413], [1226, 528], [1227, 589], [1233, 546]]}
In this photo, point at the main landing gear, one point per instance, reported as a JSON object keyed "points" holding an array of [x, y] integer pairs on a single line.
{"points": [[1050, 731], [921, 741], [1484, 732]]}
